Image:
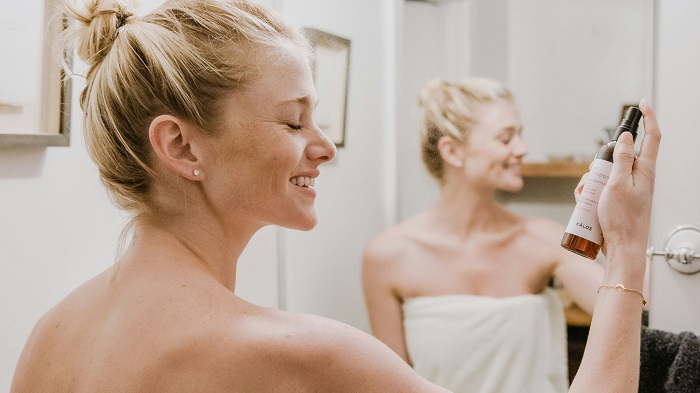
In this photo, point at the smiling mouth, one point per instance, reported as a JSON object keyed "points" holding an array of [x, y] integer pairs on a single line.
{"points": [[303, 181]]}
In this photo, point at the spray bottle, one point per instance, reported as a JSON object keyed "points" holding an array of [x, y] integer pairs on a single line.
{"points": [[583, 235]]}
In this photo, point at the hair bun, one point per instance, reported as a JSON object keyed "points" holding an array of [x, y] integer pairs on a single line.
{"points": [[121, 14], [98, 22], [430, 90]]}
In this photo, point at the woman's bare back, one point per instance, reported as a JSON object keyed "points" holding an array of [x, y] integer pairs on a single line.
{"points": [[186, 333], [133, 333]]}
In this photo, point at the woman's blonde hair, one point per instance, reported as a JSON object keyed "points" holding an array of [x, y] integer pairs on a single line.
{"points": [[180, 59], [451, 109]]}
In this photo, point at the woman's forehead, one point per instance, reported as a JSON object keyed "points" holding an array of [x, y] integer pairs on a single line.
{"points": [[283, 79], [278, 91], [499, 114]]}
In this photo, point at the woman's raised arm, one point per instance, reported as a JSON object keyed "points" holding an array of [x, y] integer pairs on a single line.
{"points": [[611, 359]]}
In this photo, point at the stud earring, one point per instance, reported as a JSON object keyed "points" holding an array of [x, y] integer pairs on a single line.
{"points": [[195, 172], [459, 164]]}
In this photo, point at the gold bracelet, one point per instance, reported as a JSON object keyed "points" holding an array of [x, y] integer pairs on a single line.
{"points": [[644, 302]]}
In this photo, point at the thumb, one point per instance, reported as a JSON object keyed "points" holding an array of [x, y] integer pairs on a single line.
{"points": [[623, 156]]}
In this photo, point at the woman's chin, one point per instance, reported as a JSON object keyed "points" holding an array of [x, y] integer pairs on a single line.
{"points": [[304, 222], [515, 186], [307, 227]]}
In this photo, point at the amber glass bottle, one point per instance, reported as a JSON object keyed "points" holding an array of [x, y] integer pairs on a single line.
{"points": [[583, 235]]}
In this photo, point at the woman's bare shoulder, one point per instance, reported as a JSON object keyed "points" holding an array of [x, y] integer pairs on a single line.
{"points": [[544, 229], [53, 343], [396, 242], [273, 350]]}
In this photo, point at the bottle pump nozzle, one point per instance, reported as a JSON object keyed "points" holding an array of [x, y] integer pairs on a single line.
{"points": [[629, 123]]}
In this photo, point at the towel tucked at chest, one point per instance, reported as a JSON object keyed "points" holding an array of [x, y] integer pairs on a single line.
{"points": [[481, 344]]}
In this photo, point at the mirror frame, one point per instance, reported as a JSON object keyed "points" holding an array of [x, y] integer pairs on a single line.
{"points": [[61, 136]]}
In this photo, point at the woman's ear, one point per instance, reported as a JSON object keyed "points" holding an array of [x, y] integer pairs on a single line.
{"points": [[172, 141], [451, 151]]}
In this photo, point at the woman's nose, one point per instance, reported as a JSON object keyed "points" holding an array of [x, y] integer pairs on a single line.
{"points": [[321, 148], [519, 148]]}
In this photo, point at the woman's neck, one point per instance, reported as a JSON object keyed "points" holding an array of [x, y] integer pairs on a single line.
{"points": [[466, 210], [186, 245]]}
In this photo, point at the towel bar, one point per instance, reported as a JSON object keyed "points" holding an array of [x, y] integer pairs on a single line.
{"points": [[679, 249]]}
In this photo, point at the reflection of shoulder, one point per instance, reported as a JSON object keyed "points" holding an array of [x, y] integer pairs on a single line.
{"points": [[544, 230], [391, 245]]}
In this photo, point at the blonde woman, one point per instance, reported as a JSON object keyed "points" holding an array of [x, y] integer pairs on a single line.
{"points": [[199, 118], [460, 291]]}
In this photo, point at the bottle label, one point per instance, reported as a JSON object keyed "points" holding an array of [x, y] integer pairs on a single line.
{"points": [[584, 221]]}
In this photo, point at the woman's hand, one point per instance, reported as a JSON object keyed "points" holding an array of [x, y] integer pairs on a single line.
{"points": [[624, 208], [630, 187]]}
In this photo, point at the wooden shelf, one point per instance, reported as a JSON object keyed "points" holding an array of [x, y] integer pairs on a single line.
{"points": [[554, 169]]}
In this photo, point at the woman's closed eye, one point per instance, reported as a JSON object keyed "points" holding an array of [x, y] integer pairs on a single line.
{"points": [[507, 137], [295, 126]]}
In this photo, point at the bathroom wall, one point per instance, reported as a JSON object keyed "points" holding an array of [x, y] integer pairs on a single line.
{"points": [[573, 65]]}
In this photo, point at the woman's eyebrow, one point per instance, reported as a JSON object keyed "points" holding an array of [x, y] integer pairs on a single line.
{"points": [[512, 130], [304, 100]]}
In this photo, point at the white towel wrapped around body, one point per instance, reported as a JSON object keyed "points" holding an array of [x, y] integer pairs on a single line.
{"points": [[481, 344]]}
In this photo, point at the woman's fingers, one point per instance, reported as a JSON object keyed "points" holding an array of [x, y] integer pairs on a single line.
{"points": [[652, 133], [579, 187], [623, 157], [625, 205], [650, 143]]}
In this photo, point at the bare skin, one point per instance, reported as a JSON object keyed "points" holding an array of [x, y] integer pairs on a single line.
{"points": [[468, 243], [166, 325]]}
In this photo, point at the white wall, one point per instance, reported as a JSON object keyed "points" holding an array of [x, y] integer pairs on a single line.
{"points": [[490, 34], [675, 297], [573, 65]]}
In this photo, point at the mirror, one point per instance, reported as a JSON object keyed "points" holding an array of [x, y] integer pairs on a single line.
{"points": [[572, 66], [34, 103]]}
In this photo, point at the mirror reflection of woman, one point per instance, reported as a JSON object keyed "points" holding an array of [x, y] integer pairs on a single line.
{"points": [[460, 291]]}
